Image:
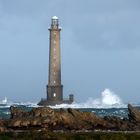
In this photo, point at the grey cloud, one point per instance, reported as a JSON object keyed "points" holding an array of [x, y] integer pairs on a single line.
{"points": [[99, 26], [119, 30]]}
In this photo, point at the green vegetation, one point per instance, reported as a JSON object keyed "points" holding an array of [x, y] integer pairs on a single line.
{"points": [[70, 136]]}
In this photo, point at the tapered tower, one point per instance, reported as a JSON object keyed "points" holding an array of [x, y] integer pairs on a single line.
{"points": [[54, 87]]}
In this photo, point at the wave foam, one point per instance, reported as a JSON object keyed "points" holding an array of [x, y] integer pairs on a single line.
{"points": [[108, 100]]}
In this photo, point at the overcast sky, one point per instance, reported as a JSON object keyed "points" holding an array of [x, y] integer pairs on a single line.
{"points": [[100, 48]]}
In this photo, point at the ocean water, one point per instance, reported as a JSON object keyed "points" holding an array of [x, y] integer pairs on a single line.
{"points": [[109, 104]]}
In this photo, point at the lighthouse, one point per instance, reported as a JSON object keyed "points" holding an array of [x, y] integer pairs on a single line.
{"points": [[54, 89]]}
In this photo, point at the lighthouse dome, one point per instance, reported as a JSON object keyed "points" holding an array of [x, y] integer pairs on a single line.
{"points": [[54, 17]]}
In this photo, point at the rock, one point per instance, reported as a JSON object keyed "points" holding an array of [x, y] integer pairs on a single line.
{"points": [[14, 123], [35, 122], [116, 123], [2, 126], [37, 117], [25, 123], [45, 118], [3, 129], [41, 112], [134, 114], [63, 119], [17, 112], [74, 112], [73, 119], [2, 122]]}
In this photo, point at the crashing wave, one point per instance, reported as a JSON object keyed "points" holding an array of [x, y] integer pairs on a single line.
{"points": [[108, 100]]}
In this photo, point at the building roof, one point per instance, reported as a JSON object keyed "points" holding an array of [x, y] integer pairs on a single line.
{"points": [[54, 17]]}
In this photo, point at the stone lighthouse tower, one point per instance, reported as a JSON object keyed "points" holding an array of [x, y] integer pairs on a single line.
{"points": [[54, 87]]}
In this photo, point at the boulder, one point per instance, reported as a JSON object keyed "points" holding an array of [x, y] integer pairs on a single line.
{"points": [[25, 123], [37, 117], [116, 123], [73, 119], [17, 112], [41, 112], [134, 114], [14, 123], [35, 122]]}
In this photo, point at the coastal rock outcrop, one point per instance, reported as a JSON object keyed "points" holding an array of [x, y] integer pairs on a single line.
{"points": [[45, 118], [17, 112], [134, 114], [68, 119]]}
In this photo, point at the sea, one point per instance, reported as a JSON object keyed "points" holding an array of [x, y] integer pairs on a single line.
{"points": [[109, 104]]}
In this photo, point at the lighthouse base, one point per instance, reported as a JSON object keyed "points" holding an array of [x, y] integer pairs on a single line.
{"points": [[45, 102]]}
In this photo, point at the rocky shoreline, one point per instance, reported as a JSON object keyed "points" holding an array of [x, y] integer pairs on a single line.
{"points": [[72, 120]]}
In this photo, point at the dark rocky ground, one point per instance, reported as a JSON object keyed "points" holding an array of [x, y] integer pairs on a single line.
{"points": [[45, 135], [46, 123]]}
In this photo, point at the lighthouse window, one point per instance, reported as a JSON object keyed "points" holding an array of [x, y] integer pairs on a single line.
{"points": [[54, 42], [54, 95]]}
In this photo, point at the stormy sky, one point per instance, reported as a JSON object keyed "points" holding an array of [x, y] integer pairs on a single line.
{"points": [[100, 48]]}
